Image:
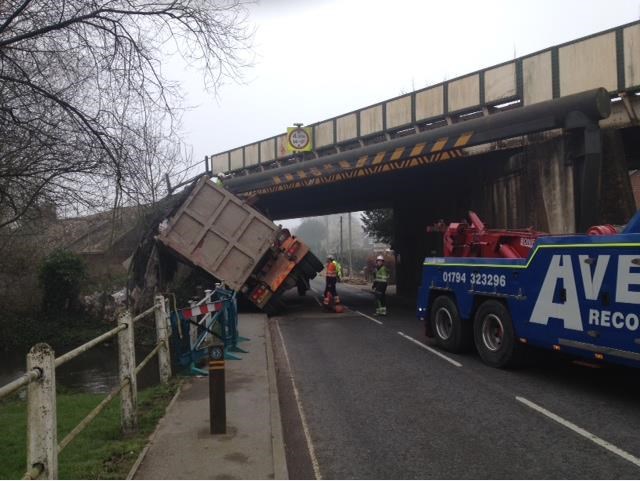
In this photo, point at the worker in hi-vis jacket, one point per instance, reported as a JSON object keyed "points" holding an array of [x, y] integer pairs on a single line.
{"points": [[380, 286], [331, 276]]}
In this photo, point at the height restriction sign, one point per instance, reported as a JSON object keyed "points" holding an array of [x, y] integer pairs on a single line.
{"points": [[299, 139]]}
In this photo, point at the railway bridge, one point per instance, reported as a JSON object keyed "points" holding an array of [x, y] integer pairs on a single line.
{"points": [[546, 140]]}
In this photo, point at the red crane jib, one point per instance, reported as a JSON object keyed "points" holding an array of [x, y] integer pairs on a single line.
{"points": [[473, 239]]}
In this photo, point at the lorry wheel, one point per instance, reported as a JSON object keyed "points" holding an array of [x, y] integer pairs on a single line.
{"points": [[450, 331], [494, 335]]}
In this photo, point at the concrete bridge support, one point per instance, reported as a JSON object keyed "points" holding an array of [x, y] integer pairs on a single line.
{"points": [[544, 186], [534, 187], [617, 203], [412, 214]]}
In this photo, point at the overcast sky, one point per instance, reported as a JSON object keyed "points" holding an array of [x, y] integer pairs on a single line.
{"points": [[317, 59]]}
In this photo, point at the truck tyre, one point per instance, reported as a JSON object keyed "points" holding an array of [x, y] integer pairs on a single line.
{"points": [[451, 332], [494, 336]]}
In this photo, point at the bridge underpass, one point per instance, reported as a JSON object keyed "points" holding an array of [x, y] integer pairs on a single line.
{"points": [[503, 141], [548, 165]]}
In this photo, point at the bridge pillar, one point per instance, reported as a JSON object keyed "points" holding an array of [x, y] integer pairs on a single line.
{"points": [[538, 189], [412, 214], [409, 245], [547, 185], [562, 185], [617, 203]]}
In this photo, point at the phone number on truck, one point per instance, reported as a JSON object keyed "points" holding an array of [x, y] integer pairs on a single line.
{"points": [[490, 280]]}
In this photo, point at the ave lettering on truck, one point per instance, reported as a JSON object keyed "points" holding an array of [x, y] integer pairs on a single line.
{"points": [[574, 293]]}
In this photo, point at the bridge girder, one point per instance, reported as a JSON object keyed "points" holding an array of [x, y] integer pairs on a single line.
{"points": [[374, 175]]}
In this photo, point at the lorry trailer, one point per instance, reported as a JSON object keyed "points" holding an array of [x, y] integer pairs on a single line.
{"points": [[216, 231], [578, 294]]}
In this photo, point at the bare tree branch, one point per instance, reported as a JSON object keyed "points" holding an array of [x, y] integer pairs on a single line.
{"points": [[87, 116]]}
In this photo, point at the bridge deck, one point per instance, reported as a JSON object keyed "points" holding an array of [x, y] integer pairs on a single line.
{"points": [[608, 59]]}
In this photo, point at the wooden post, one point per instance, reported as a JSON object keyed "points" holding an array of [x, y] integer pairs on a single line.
{"points": [[127, 367], [193, 329], [207, 299], [164, 356], [42, 429]]}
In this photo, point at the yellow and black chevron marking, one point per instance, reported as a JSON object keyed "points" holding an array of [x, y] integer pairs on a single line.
{"points": [[441, 149], [216, 365]]}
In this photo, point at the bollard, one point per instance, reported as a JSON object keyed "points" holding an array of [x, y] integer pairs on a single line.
{"points": [[217, 395]]}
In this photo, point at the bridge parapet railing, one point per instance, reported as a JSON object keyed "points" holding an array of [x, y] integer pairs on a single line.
{"points": [[40, 379], [608, 59]]}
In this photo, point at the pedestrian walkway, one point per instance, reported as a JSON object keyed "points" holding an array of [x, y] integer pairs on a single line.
{"points": [[183, 448]]}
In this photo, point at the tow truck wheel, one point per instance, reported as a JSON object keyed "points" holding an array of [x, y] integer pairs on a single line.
{"points": [[494, 335], [450, 331]]}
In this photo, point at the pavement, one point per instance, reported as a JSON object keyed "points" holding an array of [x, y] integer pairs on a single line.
{"points": [[253, 448]]}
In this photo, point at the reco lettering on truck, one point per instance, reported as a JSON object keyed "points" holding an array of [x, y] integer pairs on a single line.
{"points": [[561, 269]]}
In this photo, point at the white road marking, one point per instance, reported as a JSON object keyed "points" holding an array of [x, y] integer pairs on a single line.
{"points": [[369, 317], [303, 419], [591, 437], [430, 349]]}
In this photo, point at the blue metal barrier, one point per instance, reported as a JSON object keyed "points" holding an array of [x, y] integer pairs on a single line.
{"points": [[189, 334]]}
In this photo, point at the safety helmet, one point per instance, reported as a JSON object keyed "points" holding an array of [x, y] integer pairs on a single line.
{"points": [[380, 258], [330, 256]]}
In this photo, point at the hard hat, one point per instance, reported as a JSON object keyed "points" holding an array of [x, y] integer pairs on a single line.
{"points": [[380, 258], [330, 256]]}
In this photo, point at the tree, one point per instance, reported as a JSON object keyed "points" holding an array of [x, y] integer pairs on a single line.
{"points": [[314, 234], [378, 224], [87, 114], [61, 276]]}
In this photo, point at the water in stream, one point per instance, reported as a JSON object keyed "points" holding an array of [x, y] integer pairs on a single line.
{"points": [[95, 371]]}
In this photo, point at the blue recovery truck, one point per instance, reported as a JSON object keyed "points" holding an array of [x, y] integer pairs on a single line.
{"points": [[578, 294]]}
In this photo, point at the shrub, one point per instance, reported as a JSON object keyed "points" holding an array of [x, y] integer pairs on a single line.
{"points": [[61, 276]]}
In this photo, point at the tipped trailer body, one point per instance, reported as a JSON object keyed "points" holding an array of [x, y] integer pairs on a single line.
{"points": [[219, 233], [573, 293]]}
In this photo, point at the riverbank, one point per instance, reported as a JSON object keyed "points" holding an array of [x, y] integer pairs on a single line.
{"points": [[20, 331], [100, 451]]}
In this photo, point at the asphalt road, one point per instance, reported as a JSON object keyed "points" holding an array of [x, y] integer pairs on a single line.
{"points": [[361, 398]]}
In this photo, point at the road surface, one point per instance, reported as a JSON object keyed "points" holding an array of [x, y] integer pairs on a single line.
{"points": [[369, 397]]}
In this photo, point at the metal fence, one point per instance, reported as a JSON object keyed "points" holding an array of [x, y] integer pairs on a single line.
{"points": [[40, 379]]}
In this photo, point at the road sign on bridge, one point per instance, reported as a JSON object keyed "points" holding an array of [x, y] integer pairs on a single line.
{"points": [[299, 139]]}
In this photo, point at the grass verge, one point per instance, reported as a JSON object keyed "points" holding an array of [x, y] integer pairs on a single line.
{"points": [[100, 451]]}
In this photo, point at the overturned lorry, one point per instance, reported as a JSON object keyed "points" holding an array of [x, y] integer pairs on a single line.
{"points": [[213, 230]]}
